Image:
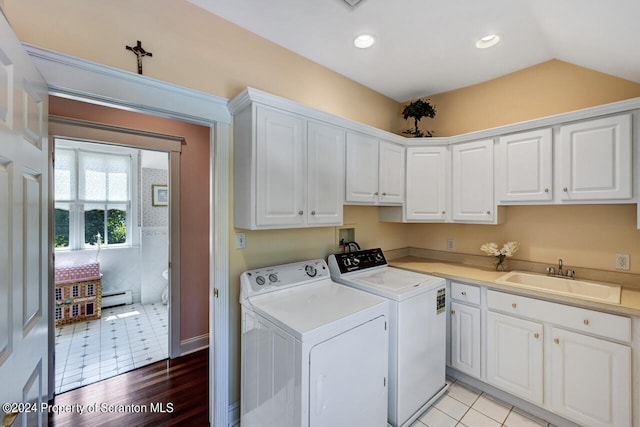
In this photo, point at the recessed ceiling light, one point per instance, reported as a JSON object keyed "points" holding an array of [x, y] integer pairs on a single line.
{"points": [[364, 41], [488, 41]]}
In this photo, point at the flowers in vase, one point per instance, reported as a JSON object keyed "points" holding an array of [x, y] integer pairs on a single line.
{"points": [[508, 250]]}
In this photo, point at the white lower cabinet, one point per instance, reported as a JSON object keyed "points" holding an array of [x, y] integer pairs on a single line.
{"points": [[590, 379], [515, 356], [573, 362]]}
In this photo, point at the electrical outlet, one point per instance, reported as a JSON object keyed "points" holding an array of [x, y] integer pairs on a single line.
{"points": [[241, 240], [622, 261], [451, 244]]}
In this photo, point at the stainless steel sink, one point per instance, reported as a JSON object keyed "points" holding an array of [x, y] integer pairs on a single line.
{"points": [[588, 290]]}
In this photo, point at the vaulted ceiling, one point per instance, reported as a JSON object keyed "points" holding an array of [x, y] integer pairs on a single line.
{"points": [[425, 47]]}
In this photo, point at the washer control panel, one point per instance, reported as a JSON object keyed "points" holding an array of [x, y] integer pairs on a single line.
{"points": [[358, 260], [268, 279]]}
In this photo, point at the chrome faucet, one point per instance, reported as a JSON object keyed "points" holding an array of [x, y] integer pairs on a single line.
{"points": [[551, 271]]}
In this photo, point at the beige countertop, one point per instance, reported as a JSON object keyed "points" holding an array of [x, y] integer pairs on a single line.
{"points": [[629, 300]]}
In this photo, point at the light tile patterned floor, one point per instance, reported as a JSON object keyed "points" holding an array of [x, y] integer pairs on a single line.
{"points": [[124, 338], [464, 406]]}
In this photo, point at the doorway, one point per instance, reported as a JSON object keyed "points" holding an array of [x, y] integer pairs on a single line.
{"points": [[111, 299]]}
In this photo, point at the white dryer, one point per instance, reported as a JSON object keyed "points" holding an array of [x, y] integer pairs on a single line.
{"points": [[417, 331], [314, 353]]}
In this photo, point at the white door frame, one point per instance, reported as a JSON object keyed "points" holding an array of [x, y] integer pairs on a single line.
{"points": [[75, 78]]}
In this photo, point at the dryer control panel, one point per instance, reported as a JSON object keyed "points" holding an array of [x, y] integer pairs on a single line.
{"points": [[358, 260], [269, 279]]}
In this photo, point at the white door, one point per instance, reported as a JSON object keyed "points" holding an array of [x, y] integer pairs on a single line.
{"points": [[472, 180], [596, 158], [515, 356], [590, 380], [465, 339], [281, 154], [427, 195], [348, 378], [325, 174], [524, 167], [362, 169], [24, 251], [391, 173]]}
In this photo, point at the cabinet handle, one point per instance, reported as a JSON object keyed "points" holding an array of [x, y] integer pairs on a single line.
{"points": [[453, 312], [546, 190], [556, 340], [565, 189], [375, 194], [488, 212], [384, 194], [514, 305], [586, 321], [313, 212], [464, 293], [300, 212], [443, 212], [536, 335]]}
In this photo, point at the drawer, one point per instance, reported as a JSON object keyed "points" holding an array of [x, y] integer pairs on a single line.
{"points": [[606, 325], [465, 293]]}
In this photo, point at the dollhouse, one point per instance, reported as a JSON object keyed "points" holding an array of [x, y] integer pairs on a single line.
{"points": [[78, 293]]}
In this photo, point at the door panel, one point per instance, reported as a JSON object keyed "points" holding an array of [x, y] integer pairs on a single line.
{"points": [[24, 261]]}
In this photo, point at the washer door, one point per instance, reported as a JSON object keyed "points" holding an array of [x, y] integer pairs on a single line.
{"points": [[348, 378]]}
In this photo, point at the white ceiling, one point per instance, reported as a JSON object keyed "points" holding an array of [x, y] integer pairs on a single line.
{"points": [[425, 47]]}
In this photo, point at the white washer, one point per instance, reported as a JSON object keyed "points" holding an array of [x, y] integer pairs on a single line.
{"points": [[314, 353], [417, 332]]}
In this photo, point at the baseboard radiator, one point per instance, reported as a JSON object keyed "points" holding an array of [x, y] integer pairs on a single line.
{"points": [[111, 299]]}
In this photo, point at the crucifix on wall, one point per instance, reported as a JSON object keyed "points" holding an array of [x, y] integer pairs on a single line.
{"points": [[139, 52]]}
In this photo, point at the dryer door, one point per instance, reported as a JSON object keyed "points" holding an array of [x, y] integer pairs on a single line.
{"points": [[348, 378]]}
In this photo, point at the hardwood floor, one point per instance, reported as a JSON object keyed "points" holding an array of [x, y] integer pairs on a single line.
{"points": [[168, 393]]}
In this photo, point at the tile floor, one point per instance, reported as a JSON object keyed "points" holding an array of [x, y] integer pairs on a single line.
{"points": [[124, 338], [462, 405]]}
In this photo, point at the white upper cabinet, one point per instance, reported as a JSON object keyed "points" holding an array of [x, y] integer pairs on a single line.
{"points": [[472, 182], [289, 172], [595, 159], [374, 171], [427, 189], [325, 173], [524, 167]]}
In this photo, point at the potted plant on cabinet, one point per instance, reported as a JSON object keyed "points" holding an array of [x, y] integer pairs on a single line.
{"points": [[417, 110]]}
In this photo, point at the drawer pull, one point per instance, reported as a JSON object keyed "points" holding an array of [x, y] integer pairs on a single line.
{"points": [[536, 335], [464, 293], [586, 321], [514, 305], [453, 312], [556, 340]]}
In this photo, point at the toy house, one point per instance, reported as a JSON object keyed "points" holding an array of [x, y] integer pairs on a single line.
{"points": [[78, 293]]}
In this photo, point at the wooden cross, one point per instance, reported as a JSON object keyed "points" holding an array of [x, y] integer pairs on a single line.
{"points": [[139, 52]]}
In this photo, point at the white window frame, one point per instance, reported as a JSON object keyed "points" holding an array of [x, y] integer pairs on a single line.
{"points": [[77, 206]]}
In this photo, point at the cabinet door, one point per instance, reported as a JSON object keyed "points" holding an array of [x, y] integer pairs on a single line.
{"points": [[590, 379], [281, 161], [472, 180], [515, 356], [325, 174], [391, 173], [524, 168], [465, 339], [427, 170], [361, 169], [596, 159]]}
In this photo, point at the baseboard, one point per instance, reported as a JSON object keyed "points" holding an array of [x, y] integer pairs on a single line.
{"points": [[194, 344], [234, 414]]}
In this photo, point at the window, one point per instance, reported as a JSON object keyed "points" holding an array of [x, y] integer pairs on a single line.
{"points": [[59, 313], [90, 289], [92, 198], [75, 310], [59, 294], [75, 291]]}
